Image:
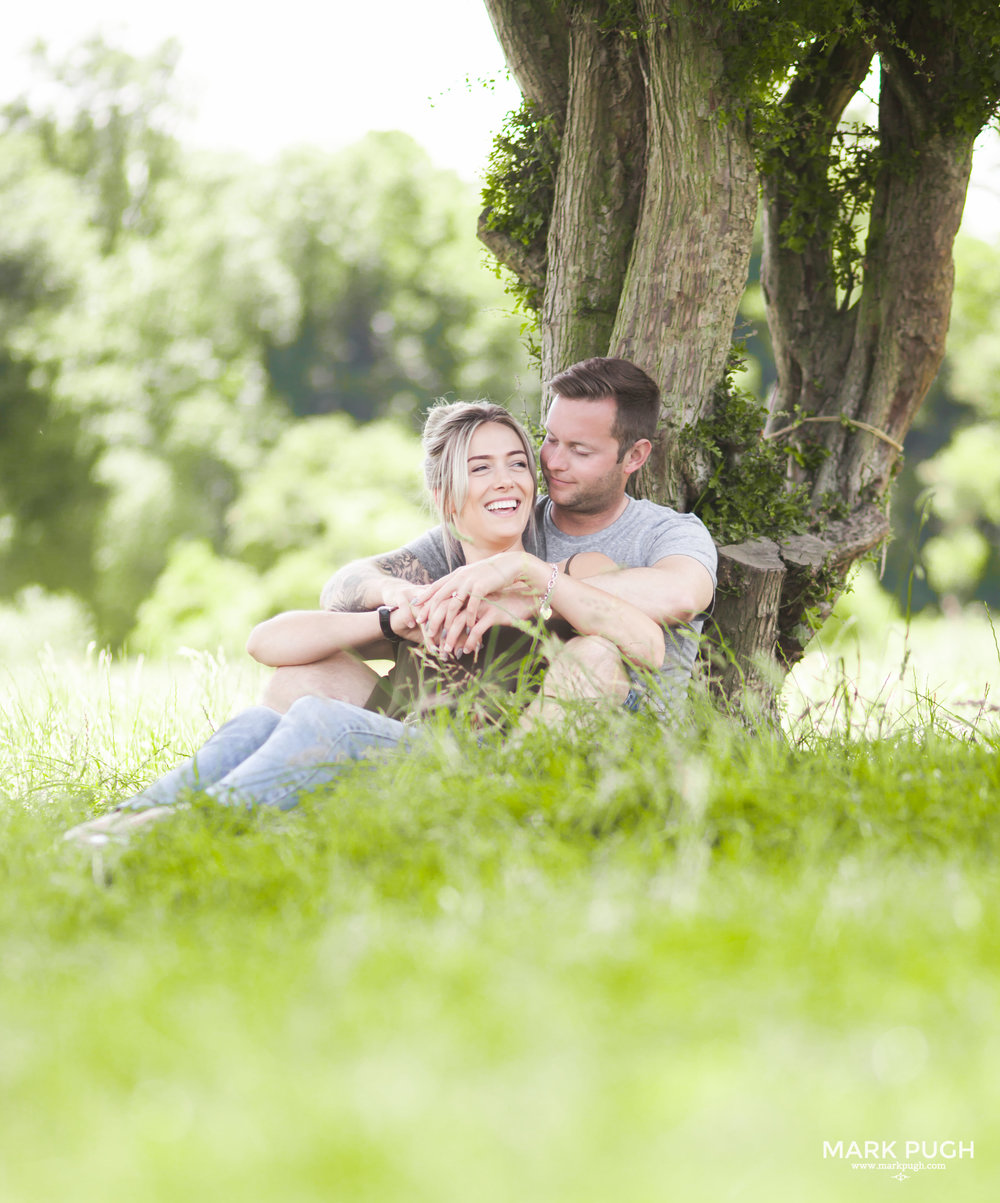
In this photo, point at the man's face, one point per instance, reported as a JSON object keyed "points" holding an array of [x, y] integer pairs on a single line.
{"points": [[579, 456]]}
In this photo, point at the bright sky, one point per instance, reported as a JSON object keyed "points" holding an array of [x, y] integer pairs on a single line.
{"points": [[262, 76]]}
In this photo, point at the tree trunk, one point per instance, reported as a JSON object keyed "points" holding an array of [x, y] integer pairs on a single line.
{"points": [[598, 189], [692, 247], [650, 234], [856, 368]]}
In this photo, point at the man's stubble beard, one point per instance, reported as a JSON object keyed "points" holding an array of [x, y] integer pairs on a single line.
{"points": [[595, 498]]}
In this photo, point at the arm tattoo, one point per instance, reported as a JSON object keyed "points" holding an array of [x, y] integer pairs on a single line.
{"points": [[405, 565], [350, 596], [355, 587]]}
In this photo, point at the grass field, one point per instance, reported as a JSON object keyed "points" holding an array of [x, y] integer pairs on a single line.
{"points": [[640, 965]]}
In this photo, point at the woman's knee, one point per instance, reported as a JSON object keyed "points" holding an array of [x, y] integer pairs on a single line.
{"points": [[340, 676], [589, 665]]}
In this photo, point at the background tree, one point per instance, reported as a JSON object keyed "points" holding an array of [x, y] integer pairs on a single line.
{"points": [[624, 200], [169, 318], [107, 118], [379, 245]]}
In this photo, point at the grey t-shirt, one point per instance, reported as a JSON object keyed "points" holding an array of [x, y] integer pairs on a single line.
{"points": [[642, 535]]}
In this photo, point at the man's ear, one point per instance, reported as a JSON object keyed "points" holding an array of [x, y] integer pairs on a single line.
{"points": [[637, 455]]}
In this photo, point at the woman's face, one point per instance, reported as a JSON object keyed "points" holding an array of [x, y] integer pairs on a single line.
{"points": [[501, 490]]}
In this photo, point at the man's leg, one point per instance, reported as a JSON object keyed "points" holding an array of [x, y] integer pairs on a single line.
{"points": [[309, 746], [341, 676]]}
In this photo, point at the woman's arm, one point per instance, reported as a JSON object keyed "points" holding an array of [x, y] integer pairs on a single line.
{"points": [[305, 636]]}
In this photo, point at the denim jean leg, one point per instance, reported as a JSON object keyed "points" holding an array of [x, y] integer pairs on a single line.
{"points": [[220, 754], [309, 747]]}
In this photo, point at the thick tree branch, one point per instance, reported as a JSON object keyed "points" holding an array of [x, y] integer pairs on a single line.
{"points": [[526, 262], [898, 73], [810, 331], [598, 190], [533, 34], [689, 257]]}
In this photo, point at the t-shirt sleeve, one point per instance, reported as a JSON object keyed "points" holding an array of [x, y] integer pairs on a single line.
{"points": [[428, 548], [682, 535]]}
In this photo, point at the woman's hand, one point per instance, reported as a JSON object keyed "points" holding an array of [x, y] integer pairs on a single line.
{"points": [[453, 606]]}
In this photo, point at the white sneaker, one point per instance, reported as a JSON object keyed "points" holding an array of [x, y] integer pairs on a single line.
{"points": [[115, 826]]}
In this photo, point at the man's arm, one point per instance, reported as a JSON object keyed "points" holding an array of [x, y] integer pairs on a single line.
{"points": [[674, 590], [384, 580]]}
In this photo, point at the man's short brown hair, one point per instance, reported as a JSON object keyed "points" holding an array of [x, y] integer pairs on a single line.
{"points": [[636, 396]]}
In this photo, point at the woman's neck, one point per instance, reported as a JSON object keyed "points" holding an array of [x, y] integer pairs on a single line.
{"points": [[473, 552]]}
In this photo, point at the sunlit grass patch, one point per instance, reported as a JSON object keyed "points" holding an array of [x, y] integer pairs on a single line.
{"points": [[871, 679]]}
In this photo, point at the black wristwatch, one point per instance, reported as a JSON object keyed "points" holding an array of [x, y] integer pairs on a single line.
{"points": [[386, 625]]}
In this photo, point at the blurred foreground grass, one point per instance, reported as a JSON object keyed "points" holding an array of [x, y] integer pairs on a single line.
{"points": [[640, 965]]}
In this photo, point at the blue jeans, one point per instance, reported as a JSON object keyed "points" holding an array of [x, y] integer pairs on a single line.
{"points": [[262, 758]]}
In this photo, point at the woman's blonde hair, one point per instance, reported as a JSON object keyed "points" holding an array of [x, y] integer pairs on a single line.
{"points": [[448, 431]]}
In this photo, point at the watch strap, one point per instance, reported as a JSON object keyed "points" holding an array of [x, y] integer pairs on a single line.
{"points": [[386, 625]]}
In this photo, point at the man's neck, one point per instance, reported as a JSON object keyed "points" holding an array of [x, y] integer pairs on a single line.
{"points": [[572, 523]]}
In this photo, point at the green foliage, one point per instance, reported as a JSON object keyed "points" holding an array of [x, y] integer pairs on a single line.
{"points": [[379, 245], [749, 493], [519, 184], [36, 623], [521, 175], [951, 465], [329, 491], [200, 601], [330, 485]]}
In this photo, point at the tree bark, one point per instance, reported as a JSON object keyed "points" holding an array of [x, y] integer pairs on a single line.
{"points": [[868, 360], [767, 592], [536, 46], [692, 246], [744, 630], [598, 190]]}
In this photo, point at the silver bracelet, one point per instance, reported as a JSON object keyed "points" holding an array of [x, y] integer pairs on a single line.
{"points": [[544, 609]]}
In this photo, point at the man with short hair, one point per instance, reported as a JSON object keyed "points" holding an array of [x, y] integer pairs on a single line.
{"points": [[599, 430]]}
